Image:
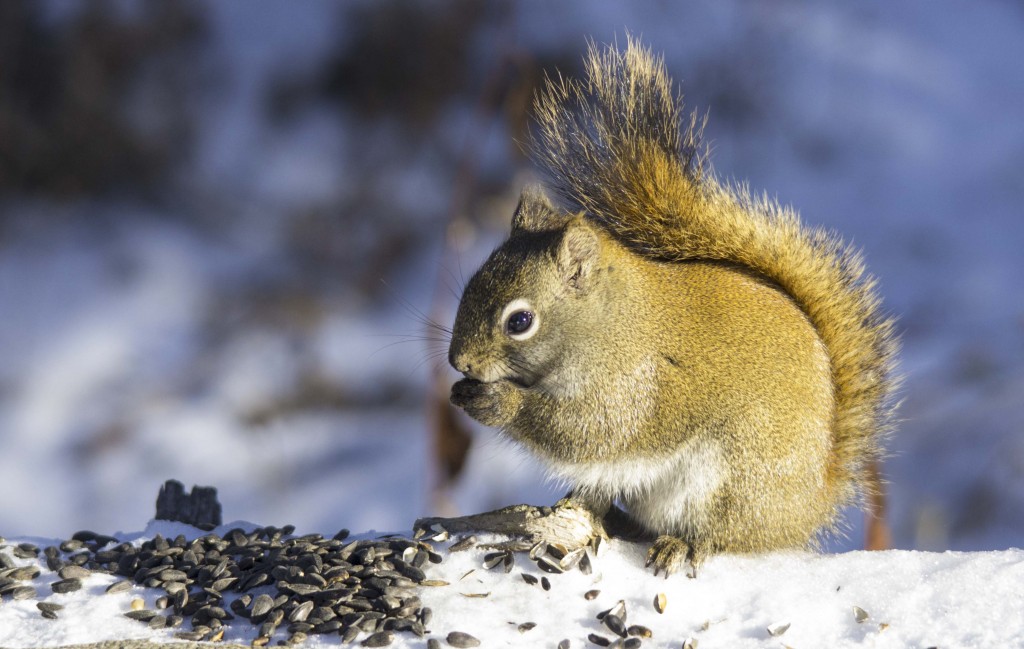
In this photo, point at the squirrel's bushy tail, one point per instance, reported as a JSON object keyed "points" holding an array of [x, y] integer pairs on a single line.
{"points": [[614, 147]]}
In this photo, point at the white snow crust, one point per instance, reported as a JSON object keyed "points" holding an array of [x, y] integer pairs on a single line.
{"points": [[912, 599]]}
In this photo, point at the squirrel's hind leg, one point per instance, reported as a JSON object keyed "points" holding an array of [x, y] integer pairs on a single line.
{"points": [[670, 553]]}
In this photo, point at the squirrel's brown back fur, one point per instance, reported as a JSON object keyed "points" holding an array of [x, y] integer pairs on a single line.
{"points": [[614, 149]]}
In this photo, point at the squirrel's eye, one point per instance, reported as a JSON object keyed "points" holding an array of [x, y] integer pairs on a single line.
{"points": [[519, 322]]}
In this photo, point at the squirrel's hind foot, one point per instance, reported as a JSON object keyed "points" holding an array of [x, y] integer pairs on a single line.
{"points": [[670, 553]]}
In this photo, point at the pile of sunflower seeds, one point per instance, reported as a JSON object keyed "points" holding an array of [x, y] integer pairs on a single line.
{"points": [[267, 577]]}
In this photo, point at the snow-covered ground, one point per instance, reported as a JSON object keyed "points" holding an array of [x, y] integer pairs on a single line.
{"points": [[132, 348], [906, 599]]}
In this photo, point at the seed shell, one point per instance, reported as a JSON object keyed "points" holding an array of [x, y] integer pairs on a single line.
{"points": [[660, 602], [776, 630], [464, 543]]}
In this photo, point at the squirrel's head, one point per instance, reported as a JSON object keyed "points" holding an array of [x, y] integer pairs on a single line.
{"points": [[523, 307]]}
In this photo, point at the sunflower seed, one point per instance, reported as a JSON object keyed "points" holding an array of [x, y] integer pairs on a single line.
{"points": [[591, 594], [24, 574], [301, 612], [639, 631], [564, 644], [631, 643], [74, 572], [66, 585], [462, 640], [23, 592], [433, 643], [262, 605], [71, 545], [526, 626], [49, 606], [549, 564], [26, 551], [119, 586], [380, 639], [350, 634], [331, 626], [142, 614], [545, 583], [599, 640], [615, 625], [690, 643]]}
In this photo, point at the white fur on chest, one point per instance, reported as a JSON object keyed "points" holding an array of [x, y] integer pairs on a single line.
{"points": [[666, 495]]}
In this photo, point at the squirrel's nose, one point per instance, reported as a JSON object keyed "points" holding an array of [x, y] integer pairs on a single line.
{"points": [[458, 361]]}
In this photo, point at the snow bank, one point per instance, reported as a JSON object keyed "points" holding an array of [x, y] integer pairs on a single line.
{"points": [[917, 599]]}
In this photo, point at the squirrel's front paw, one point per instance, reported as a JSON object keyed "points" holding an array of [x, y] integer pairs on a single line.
{"points": [[488, 403], [669, 553]]}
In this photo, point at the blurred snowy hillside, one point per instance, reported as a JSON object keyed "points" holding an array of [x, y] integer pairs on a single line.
{"points": [[218, 218]]}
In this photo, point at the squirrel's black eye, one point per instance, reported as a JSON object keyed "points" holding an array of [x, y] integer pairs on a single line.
{"points": [[519, 322]]}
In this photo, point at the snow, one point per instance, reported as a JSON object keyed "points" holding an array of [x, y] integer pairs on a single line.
{"points": [[912, 598]]}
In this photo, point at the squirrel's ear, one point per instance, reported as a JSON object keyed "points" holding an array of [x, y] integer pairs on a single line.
{"points": [[535, 213], [578, 253]]}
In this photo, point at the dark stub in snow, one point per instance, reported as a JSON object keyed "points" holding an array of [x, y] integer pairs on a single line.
{"points": [[200, 508]]}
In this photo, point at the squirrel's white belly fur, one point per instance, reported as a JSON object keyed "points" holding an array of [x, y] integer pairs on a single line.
{"points": [[665, 495]]}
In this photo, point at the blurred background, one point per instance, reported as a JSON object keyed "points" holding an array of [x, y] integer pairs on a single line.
{"points": [[224, 223]]}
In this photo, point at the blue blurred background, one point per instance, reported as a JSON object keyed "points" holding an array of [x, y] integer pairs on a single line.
{"points": [[222, 223]]}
